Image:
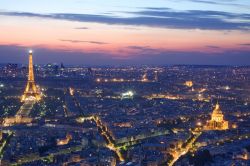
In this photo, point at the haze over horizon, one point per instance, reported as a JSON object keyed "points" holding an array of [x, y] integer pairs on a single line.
{"points": [[90, 32]]}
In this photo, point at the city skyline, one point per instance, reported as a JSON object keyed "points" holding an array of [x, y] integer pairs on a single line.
{"points": [[124, 33], [118, 116], [125, 83]]}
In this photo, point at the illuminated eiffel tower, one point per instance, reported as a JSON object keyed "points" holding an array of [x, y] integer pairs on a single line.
{"points": [[31, 92]]}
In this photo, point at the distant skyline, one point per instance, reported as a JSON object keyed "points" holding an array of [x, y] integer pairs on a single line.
{"points": [[111, 32]]}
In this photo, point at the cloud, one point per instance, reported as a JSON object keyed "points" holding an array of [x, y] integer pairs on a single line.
{"points": [[81, 28], [215, 2], [82, 41], [42, 55], [221, 3], [142, 50], [139, 47], [244, 44], [205, 1], [159, 17], [211, 46], [17, 54]]}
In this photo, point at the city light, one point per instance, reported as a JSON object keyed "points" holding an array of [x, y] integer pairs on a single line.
{"points": [[124, 83], [189, 83], [199, 124], [127, 95], [103, 108]]}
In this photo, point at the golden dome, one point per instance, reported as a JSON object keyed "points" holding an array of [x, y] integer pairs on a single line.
{"points": [[217, 109], [217, 121]]}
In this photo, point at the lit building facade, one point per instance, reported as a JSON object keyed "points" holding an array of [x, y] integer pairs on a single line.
{"points": [[189, 83], [64, 141], [217, 121]]}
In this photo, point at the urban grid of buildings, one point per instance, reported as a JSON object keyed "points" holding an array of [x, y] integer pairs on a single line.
{"points": [[149, 115]]}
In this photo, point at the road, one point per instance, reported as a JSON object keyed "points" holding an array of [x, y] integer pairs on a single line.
{"points": [[184, 150], [101, 128], [25, 109]]}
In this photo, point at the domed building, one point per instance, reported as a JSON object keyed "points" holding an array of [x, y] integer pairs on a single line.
{"points": [[217, 121]]}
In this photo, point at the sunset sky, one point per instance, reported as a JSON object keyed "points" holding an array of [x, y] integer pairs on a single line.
{"points": [[116, 32]]}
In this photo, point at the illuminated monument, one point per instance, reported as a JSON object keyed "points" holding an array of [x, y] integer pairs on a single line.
{"points": [[217, 121], [31, 92]]}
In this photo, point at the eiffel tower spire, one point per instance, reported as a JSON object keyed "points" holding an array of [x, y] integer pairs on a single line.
{"points": [[31, 92]]}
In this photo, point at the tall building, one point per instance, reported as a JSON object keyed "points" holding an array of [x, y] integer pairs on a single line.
{"points": [[217, 121], [62, 66], [31, 92], [144, 78], [156, 76]]}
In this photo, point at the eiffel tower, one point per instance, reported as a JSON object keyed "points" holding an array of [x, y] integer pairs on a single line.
{"points": [[31, 92]]}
